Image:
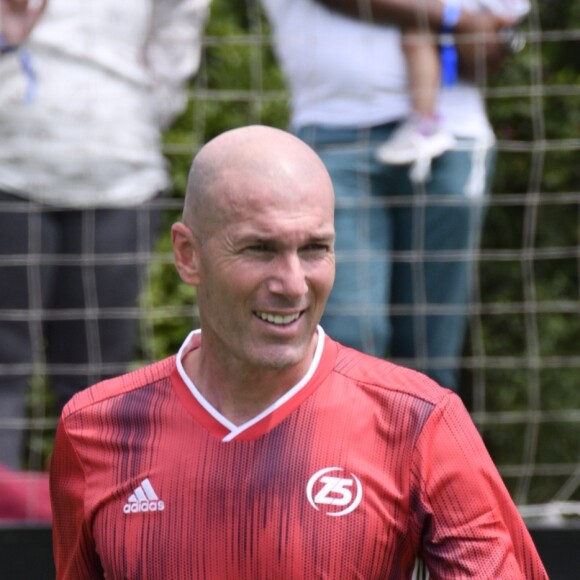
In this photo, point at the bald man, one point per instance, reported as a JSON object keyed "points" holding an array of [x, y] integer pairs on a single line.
{"points": [[264, 449]]}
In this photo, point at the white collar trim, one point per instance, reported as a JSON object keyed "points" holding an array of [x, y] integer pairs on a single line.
{"points": [[193, 340]]}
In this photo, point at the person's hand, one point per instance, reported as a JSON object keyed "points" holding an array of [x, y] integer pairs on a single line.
{"points": [[18, 18], [480, 43]]}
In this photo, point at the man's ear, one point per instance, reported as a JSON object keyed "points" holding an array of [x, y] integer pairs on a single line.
{"points": [[185, 252]]}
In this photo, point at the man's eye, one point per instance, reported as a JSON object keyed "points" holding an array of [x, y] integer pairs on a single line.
{"points": [[316, 248], [257, 248]]}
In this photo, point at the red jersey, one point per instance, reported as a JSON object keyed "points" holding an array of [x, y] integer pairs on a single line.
{"points": [[357, 471]]}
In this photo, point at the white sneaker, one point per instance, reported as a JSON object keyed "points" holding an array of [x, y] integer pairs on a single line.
{"points": [[408, 144]]}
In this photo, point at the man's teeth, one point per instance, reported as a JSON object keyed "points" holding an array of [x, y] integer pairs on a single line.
{"points": [[278, 318]]}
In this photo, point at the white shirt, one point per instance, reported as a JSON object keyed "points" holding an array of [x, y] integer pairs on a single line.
{"points": [[344, 72], [111, 75]]}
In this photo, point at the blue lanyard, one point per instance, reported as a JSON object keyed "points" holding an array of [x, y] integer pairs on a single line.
{"points": [[30, 75], [448, 50], [25, 59], [449, 64]]}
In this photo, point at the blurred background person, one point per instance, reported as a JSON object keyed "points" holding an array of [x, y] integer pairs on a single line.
{"points": [[81, 167], [404, 247], [17, 19]]}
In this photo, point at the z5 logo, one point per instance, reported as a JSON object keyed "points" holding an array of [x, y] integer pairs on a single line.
{"points": [[332, 491]]}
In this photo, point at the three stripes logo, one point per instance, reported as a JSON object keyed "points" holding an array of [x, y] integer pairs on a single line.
{"points": [[143, 499]]}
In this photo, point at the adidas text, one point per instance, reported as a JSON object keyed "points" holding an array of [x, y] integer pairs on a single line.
{"points": [[143, 506], [143, 499]]}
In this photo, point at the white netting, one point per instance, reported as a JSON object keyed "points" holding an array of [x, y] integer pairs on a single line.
{"points": [[521, 369]]}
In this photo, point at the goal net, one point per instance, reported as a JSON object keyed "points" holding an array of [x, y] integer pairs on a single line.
{"points": [[521, 362]]}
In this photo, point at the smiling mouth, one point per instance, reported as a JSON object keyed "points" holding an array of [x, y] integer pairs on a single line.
{"points": [[278, 319]]}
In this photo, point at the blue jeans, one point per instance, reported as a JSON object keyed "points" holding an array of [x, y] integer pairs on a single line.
{"points": [[405, 251]]}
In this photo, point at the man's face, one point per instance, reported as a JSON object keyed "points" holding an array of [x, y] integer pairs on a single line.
{"points": [[266, 271]]}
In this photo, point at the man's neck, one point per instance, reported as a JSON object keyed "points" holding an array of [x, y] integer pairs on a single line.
{"points": [[240, 394]]}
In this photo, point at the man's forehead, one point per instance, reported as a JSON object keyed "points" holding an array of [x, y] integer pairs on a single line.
{"points": [[283, 198], [267, 226], [283, 226]]}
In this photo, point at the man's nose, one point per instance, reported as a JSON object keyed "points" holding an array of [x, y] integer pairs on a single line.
{"points": [[289, 278]]}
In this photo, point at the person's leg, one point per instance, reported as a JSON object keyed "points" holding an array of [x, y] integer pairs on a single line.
{"points": [[93, 333], [432, 286], [25, 232], [420, 137], [423, 71], [356, 311]]}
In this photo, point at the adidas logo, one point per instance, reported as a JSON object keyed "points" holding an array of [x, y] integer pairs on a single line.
{"points": [[143, 499]]}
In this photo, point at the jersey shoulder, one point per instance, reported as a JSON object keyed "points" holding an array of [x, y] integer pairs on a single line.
{"points": [[119, 386], [372, 372]]}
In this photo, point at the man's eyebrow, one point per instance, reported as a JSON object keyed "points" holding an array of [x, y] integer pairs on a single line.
{"points": [[324, 235]]}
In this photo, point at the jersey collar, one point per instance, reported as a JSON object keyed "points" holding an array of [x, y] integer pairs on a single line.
{"points": [[222, 427]]}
